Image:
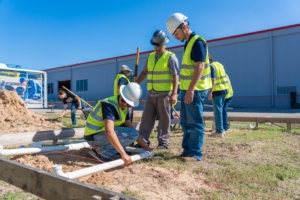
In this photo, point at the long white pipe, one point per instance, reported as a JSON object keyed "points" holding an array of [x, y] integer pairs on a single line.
{"points": [[57, 169], [49, 142], [38, 149], [241, 125]]}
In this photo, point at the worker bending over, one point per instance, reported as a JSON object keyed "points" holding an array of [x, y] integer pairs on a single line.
{"points": [[195, 81], [76, 103], [108, 128], [121, 79], [162, 82], [217, 95]]}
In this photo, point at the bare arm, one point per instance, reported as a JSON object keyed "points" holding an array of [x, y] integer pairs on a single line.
{"points": [[174, 92], [79, 102], [114, 141], [141, 77], [210, 91], [140, 139], [64, 110], [196, 77]]}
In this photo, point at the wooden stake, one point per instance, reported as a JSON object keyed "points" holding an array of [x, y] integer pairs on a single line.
{"points": [[135, 73]]}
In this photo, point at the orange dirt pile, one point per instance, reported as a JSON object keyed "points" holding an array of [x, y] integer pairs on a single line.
{"points": [[16, 118], [150, 182]]}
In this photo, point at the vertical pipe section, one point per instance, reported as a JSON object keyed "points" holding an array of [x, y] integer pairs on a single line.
{"points": [[272, 68]]}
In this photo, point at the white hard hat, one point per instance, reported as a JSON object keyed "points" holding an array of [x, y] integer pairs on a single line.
{"points": [[125, 68], [131, 93], [175, 21]]}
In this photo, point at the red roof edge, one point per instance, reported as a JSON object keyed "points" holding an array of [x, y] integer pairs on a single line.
{"points": [[213, 40]]}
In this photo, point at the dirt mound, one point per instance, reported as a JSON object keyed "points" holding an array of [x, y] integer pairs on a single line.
{"points": [[148, 182], [16, 118]]}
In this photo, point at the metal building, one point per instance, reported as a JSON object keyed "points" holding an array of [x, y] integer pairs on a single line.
{"points": [[263, 67]]}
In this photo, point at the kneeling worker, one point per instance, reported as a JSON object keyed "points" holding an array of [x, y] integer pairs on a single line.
{"points": [[108, 128]]}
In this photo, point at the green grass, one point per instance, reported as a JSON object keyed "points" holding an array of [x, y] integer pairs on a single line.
{"points": [[20, 195], [67, 121], [262, 160], [131, 193]]}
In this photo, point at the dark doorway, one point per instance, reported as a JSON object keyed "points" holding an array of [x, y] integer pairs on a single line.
{"points": [[66, 83]]}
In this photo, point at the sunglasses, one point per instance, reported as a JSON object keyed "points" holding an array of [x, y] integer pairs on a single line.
{"points": [[175, 32], [125, 102]]}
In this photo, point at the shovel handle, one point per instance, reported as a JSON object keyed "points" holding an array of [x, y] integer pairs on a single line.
{"points": [[67, 113]]}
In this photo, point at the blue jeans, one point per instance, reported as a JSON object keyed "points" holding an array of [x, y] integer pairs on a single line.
{"points": [[101, 144], [225, 117], [218, 104], [192, 123], [74, 106]]}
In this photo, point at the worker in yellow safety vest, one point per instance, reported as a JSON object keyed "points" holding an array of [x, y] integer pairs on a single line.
{"points": [[218, 94], [108, 127], [121, 79], [195, 81], [228, 100], [162, 82]]}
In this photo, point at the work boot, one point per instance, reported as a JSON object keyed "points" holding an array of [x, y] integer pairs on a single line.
{"points": [[190, 159], [215, 134], [161, 147], [99, 157]]}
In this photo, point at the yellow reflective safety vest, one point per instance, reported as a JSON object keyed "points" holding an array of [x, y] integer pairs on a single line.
{"points": [[230, 90], [159, 77], [116, 90], [95, 123], [221, 81], [188, 68]]}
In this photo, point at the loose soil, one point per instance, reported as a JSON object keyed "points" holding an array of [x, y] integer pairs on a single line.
{"points": [[149, 182], [16, 118]]}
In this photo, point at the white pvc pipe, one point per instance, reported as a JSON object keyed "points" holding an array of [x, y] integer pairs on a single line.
{"points": [[57, 169], [38, 149], [49, 142], [135, 150], [241, 125]]}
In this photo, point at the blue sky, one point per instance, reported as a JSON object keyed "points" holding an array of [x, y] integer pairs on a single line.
{"points": [[42, 34]]}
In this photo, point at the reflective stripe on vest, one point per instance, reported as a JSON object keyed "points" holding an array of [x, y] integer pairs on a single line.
{"points": [[221, 81], [188, 68], [230, 90], [159, 76], [95, 123], [116, 89]]}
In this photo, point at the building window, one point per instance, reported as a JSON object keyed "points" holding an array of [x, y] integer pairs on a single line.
{"points": [[50, 88], [286, 89], [82, 85]]}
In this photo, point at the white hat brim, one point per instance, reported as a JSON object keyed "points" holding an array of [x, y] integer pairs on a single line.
{"points": [[131, 103]]}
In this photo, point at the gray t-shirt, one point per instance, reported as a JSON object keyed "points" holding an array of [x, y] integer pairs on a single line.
{"points": [[173, 68]]}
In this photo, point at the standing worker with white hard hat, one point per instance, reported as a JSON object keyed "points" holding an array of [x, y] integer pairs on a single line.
{"points": [[162, 82], [108, 128], [195, 80], [121, 79]]}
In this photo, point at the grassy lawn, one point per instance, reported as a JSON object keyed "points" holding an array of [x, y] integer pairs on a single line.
{"points": [[67, 120], [264, 160]]}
